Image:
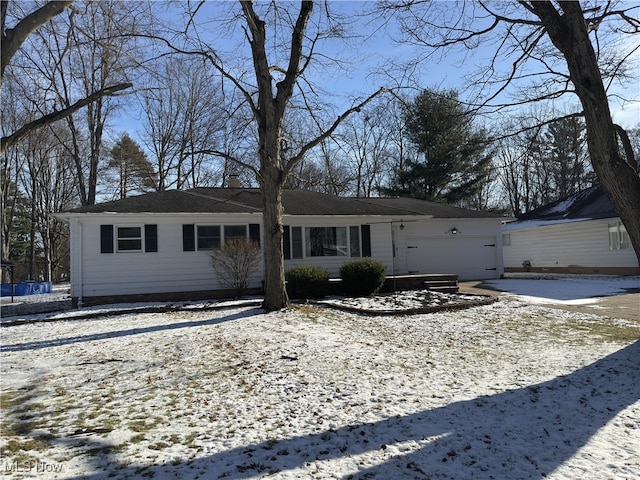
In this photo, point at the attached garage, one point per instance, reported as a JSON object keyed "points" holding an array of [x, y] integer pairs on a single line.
{"points": [[124, 249], [472, 258]]}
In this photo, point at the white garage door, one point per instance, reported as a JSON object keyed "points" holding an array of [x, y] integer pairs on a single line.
{"points": [[472, 258]]}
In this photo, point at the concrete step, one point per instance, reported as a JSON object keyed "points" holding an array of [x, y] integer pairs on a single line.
{"points": [[444, 289], [442, 283]]}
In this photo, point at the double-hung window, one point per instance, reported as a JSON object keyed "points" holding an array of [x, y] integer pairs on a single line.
{"points": [[232, 232], [207, 237], [128, 238], [618, 237]]}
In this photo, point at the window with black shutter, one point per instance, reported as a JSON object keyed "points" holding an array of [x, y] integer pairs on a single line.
{"points": [[254, 233], [188, 238], [365, 230], [106, 238], [150, 238]]}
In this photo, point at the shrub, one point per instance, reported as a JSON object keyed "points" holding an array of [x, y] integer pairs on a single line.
{"points": [[307, 281], [235, 262], [362, 277]]}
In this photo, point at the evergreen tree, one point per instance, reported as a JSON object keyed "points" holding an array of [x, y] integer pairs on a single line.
{"points": [[568, 158], [16, 231], [452, 158], [131, 168]]}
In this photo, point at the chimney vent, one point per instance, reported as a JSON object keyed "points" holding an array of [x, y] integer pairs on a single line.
{"points": [[233, 181]]}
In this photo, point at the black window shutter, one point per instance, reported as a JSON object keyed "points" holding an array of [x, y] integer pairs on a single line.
{"points": [[286, 243], [151, 238], [254, 232], [106, 238], [366, 240], [188, 238]]}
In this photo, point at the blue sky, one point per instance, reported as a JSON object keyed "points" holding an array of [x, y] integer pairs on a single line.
{"points": [[369, 55]]}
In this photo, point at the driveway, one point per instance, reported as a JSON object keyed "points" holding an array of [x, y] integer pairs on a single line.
{"points": [[615, 297]]}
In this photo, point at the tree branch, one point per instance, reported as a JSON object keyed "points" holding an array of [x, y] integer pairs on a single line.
{"points": [[285, 87], [228, 157], [56, 115], [13, 38], [626, 145], [326, 134]]}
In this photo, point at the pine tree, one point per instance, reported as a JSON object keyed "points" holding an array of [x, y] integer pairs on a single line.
{"points": [[130, 166], [568, 158], [452, 156]]}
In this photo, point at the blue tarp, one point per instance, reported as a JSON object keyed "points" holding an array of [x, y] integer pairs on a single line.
{"points": [[26, 288]]}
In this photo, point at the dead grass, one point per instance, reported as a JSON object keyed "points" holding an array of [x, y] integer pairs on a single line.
{"points": [[234, 365], [611, 332]]}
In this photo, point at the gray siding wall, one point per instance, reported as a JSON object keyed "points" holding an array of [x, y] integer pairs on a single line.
{"points": [[564, 245]]}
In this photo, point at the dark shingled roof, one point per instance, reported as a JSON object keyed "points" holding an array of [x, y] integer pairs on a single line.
{"points": [[591, 203], [295, 202]]}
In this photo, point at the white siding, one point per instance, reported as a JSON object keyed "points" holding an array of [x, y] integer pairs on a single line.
{"points": [[170, 269], [440, 251], [565, 245]]}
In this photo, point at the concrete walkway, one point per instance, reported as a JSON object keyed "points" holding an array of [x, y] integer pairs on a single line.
{"points": [[626, 306]]}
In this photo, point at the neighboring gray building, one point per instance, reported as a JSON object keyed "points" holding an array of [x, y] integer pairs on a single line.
{"points": [[578, 234]]}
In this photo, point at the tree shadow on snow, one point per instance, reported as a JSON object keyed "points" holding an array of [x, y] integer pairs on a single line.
{"points": [[523, 433], [56, 342]]}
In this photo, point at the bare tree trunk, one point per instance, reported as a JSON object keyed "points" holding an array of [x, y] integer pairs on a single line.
{"points": [[46, 251], [268, 102], [32, 229], [275, 293], [269, 115], [617, 175]]}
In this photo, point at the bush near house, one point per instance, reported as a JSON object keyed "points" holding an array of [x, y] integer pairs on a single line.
{"points": [[362, 277], [235, 262], [307, 282]]}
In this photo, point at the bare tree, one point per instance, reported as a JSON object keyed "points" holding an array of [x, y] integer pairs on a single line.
{"points": [[325, 170], [91, 48], [12, 164], [367, 142], [280, 56], [571, 48], [338, 178], [269, 112], [567, 156], [37, 178], [184, 108], [48, 183], [513, 161], [13, 40]]}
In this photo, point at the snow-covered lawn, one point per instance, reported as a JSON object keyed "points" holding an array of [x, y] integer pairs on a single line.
{"points": [[508, 390]]}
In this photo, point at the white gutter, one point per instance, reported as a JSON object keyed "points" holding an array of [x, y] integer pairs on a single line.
{"points": [[81, 263]]}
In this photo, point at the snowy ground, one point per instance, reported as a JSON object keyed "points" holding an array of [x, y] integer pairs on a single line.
{"points": [[545, 289], [508, 390]]}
